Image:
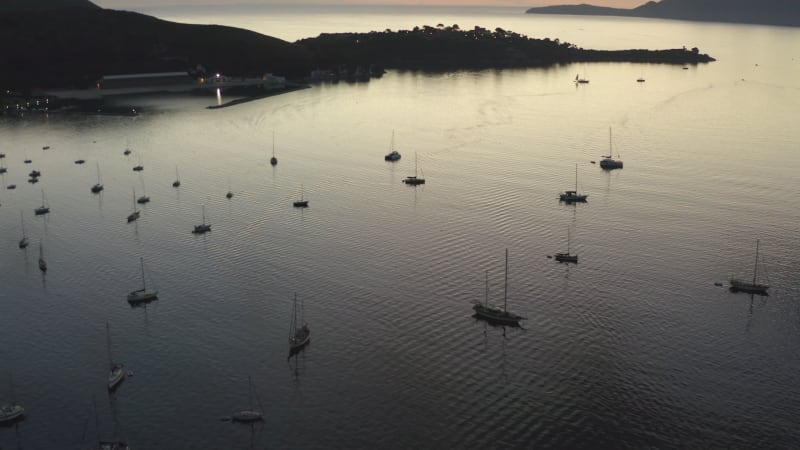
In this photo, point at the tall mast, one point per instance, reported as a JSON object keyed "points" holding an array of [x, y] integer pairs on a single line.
{"points": [[486, 289], [576, 178], [13, 394], [22, 221], [250, 382], [294, 316], [144, 282], [755, 269], [567, 240], [204, 214], [505, 285], [108, 344]]}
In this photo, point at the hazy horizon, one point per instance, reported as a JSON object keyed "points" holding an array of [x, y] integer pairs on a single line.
{"points": [[130, 4]]}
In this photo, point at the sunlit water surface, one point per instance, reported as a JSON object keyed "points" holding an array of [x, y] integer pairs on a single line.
{"points": [[633, 347]]}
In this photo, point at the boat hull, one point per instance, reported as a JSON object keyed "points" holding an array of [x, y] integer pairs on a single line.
{"points": [[750, 288], [141, 296], [201, 229], [300, 339], [572, 197], [610, 164], [414, 181], [566, 258], [115, 377], [300, 204], [11, 413], [247, 416], [496, 315], [393, 156]]}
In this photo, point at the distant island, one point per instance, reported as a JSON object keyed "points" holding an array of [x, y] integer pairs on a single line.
{"points": [[74, 44], [764, 12]]}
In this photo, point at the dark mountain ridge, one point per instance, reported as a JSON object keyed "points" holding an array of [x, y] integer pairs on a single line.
{"points": [[72, 43], [764, 12], [42, 5]]}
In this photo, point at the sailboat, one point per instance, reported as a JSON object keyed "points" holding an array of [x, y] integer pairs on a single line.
{"points": [[273, 160], [579, 80], [393, 155], [747, 286], [496, 314], [566, 257], [414, 180], [42, 262], [24, 241], [135, 214], [115, 370], [573, 196], [3, 167], [144, 198], [99, 185], [251, 414], [204, 227], [103, 444], [230, 193], [298, 336], [142, 295], [139, 167], [44, 209], [608, 162], [302, 203], [177, 181], [13, 411]]}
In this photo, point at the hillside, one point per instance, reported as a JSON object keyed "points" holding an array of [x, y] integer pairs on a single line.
{"points": [[72, 43], [765, 12], [44, 5]]}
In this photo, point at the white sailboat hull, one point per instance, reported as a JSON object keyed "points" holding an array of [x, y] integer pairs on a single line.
{"points": [[115, 377], [10, 413]]}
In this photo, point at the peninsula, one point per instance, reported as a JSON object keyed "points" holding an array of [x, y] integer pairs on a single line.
{"points": [[764, 12], [451, 48]]}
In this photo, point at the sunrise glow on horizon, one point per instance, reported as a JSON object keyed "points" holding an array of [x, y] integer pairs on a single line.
{"points": [[120, 4]]}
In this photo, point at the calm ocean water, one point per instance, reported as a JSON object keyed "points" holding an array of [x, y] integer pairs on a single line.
{"points": [[633, 347]]}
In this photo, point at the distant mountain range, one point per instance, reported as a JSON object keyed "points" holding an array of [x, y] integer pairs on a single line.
{"points": [[765, 12]]}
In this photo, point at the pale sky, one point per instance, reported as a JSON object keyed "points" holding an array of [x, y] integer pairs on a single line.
{"points": [[132, 4]]}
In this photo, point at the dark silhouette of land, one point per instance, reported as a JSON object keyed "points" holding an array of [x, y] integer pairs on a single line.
{"points": [[73, 43], [447, 48], [765, 12]]}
